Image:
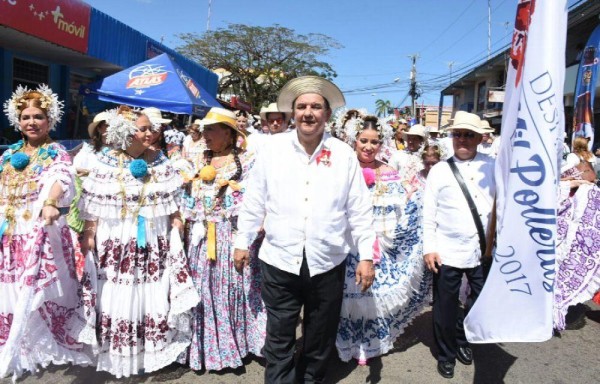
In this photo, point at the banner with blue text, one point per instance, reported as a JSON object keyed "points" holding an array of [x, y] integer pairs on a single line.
{"points": [[515, 304]]}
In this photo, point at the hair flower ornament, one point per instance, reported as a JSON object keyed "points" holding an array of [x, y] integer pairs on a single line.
{"points": [[324, 157], [348, 124], [48, 101], [138, 168], [121, 127]]}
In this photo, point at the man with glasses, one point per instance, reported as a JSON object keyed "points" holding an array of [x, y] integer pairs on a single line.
{"points": [[275, 120], [452, 243]]}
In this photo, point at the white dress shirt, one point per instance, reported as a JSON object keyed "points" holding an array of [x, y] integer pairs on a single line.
{"points": [[306, 204], [255, 142], [448, 227]]}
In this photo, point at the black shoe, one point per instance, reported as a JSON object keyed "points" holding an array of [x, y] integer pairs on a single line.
{"points": [[465, 355], [446, 369]]}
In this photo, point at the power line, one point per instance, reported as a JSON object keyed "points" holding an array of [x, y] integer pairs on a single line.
{"points": [[467, 33], [448, 27]]}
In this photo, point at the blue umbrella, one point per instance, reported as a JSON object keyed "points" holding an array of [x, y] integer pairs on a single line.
{"points": [[159, 82]]}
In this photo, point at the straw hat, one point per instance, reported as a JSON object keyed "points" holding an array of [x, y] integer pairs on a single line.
{"points": [[466, 120], [102, 116], [432, 129], [416, 130], [402, 121], [272, 108], [309, 84], [223, 116], [485, 125], [155, 116]]}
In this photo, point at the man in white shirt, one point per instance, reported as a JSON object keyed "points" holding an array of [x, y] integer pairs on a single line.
{"points": [[486, 146], [308, 190], [276, 121], [273, 121], [452, 246]]}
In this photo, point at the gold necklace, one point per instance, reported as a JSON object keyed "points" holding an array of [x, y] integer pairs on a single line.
{"points": [[20, 184], [142, 198]]}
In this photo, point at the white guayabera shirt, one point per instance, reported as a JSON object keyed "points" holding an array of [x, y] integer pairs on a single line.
{"points": [[319, 204], [448, 226]]}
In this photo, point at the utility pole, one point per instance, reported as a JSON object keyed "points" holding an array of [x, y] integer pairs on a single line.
{"points": [[208, 18], [450, 65], [489, 29], [413, 83]]}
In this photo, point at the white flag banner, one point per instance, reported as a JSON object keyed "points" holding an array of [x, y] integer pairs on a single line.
{"points": [[515, 304]]}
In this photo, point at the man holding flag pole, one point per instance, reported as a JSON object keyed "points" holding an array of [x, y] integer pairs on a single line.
{"points": [[516, 302], [454, 248]]}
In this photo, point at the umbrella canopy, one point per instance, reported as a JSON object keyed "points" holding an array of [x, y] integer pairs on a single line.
{"points": [[159, 82]]}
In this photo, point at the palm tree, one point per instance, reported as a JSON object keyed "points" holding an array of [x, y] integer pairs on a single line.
{"points": [[382, 107]]}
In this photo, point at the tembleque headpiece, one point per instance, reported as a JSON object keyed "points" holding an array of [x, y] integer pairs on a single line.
{"points": [[48, 102]]}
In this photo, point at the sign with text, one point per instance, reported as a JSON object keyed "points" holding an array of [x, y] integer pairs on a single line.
{"points": [[516, 303], [495, 96], [63, 22]]}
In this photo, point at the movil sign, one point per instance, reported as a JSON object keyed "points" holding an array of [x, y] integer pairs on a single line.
{"points": [[146, 76]]}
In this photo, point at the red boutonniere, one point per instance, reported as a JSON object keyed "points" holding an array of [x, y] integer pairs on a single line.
{"points": [[324, 157]]}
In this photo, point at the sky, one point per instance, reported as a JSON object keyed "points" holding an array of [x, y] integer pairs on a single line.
{"points": [[377, 36]]}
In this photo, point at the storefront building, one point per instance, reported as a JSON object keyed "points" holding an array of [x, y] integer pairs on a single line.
{"points": [[481, 90], [66, 44]]}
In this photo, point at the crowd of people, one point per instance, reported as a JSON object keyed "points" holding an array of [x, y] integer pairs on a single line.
{"points": [[150, 247]]}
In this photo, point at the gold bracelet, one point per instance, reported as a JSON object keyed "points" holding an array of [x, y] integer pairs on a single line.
{"points": [[51, 203]]}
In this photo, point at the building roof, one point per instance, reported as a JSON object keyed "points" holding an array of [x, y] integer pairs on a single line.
{"points": [[581, 14]]}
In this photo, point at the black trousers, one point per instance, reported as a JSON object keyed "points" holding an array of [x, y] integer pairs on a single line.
{"points": [[448, 317], [284, 294]]}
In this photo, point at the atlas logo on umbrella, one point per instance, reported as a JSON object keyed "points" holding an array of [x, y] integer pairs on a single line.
{"points": [[146, 76]]}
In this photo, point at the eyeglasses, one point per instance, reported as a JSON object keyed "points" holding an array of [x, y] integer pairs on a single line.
{"points": [[278, 120], [430, 163], [466, 135]]}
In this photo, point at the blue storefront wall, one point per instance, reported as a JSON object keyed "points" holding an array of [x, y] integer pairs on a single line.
{"points": [[114, 42], [109, 40], [58, 77]]}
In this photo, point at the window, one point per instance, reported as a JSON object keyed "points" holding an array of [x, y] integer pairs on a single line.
{"points": [[77, 120], [481, 96], [28, 73]]}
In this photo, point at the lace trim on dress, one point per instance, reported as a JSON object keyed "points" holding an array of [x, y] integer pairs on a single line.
{"points": [[102, 194]]}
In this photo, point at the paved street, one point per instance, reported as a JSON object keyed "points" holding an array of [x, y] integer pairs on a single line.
{"points": [[571, 358]]}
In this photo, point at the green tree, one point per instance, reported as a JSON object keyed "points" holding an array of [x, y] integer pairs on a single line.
{"points": [[382, 107], [258, 61]]}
